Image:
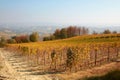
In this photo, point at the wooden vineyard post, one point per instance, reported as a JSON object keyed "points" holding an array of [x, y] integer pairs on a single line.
{"points": [[95, 57], [117, 52], [60, 59], [44, 53], [108, 58], [55, 64], [37, 56], [53, 57]]}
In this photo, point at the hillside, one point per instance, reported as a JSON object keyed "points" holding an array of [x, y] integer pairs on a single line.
{"points": [[78, 40], [72, 56], [14, 67], [6, 34], [44, 30]]}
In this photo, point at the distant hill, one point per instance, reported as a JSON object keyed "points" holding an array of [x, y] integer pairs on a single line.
{"points": [[6, 32], [45, 30], [101, 29]]}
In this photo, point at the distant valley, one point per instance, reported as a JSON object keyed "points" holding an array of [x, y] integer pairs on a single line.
{"points": [[12, 30]]}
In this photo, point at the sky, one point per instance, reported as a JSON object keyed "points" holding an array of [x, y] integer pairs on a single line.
{"points": [[60, 12]]}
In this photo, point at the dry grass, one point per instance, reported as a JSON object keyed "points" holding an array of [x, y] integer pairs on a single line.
{"points": [[96, 71]]}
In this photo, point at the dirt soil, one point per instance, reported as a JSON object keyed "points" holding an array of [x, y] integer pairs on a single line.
{"points": [[12, 68]]}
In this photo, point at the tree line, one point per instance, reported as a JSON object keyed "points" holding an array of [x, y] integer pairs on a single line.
{"points": [[68, 32], [34, 37], [72, 31], [107, 31], [63, 33]]}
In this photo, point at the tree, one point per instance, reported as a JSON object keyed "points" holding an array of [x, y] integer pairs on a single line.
{"points": [[79, 30], [94, 32], [107, 31], [46, 39], [57, 34], [21, 39], [24, 38], [11, 41], [2, 42], [70, 58], [63, 33], [87, 31], [3, 39], [114, 32], [52, 37], [70, 31], [34, 37], [18, 40]]}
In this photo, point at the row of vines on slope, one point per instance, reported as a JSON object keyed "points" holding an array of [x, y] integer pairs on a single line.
{"points": [[68, 57]]}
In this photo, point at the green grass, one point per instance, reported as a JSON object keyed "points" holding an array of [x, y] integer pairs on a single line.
{"points": [[113, 75]]}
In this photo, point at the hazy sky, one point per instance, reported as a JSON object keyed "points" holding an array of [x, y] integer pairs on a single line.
{"points": [[91, 12]]}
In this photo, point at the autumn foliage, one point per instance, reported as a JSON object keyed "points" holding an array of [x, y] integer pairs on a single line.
{"points": [[71, 54]]}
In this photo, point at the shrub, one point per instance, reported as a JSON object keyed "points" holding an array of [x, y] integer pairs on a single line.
{"points": [[34, 37], [70, 58]]}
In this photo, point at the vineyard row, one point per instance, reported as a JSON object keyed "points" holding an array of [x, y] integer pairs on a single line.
{"points": [[68, 57]]}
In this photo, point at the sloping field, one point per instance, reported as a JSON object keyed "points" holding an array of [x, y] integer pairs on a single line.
{"points": [[72, 52], [78, 40]]}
